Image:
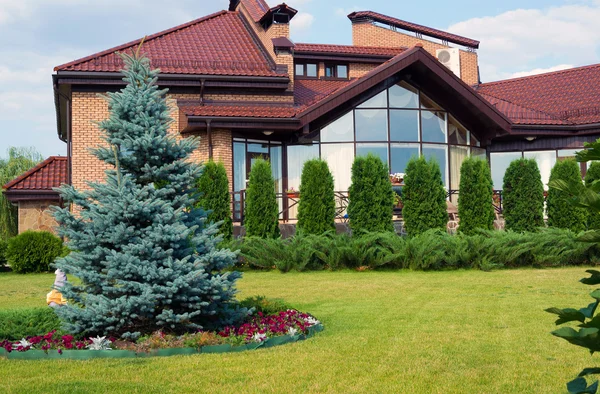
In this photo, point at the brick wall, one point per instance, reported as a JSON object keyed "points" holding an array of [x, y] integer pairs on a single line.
{"points": [[368, 34], [357, 70], [274, 31], [34, 215], [88, 108]]}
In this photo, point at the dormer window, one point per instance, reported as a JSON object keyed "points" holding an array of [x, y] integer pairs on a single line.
{"points": [[339, 71], [307, 70]]}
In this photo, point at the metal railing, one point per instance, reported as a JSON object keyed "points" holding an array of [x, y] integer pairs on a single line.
{"points": [[289, 202]]}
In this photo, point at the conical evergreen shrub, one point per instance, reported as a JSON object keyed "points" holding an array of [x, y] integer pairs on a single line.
{"points": [[262, 212], [561, 213], [316, 211], [145, 257], [475, 207], [523, 196], [593, 174], [371, 205], [424, 197], [213, 189]]}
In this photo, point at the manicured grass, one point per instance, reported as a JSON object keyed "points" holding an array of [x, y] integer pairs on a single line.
{"points": [[404, 332]]}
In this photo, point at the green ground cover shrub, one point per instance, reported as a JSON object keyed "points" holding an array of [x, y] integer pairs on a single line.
{"points": [[523, 195], [316, 211], [33, 251], [371, 205], [16, 324], [561, 213], [213, 187], [424, 197], [475, 207], [262, 211], [432, 250]]}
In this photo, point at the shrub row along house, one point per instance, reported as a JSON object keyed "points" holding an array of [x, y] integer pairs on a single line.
{"points": [[238, 82]]}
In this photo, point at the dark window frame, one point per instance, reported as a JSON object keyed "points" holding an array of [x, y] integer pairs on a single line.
{"points": [[305, 70], [334, 67]]}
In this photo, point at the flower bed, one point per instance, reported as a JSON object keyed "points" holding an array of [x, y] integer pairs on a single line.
{"points": [[260, 331]]}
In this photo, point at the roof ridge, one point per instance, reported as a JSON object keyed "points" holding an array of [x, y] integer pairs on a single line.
{"points": [[550, 115], [33, 170], [565, 71], [147, 38]]}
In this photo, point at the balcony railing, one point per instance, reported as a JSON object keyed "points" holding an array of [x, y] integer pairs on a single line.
{"points": [[288, 205]]}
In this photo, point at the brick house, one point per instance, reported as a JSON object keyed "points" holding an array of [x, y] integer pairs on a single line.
{"points": [[238, 82]]}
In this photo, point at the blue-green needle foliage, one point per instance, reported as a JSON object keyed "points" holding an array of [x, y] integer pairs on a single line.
{"points": [[146, 257]]}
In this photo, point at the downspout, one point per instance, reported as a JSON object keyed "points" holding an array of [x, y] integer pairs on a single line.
{"points": [[209, 137]]}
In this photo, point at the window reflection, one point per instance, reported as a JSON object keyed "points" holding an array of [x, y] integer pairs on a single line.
{"points": [[433, 125], [371, 125], [500, 162], [379, 150], [404, 125], [339, 157], [378, 101], [400, 155], [545, 161], [439, 153], [340, 130], [403, 96]]}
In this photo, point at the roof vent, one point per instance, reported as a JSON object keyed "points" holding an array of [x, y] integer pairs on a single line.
{"points": [[450, 57]]}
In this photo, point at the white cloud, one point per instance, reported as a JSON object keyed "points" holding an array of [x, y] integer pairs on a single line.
{"points": [[525, 38], [344, 12], [537, 71], [302, 21]]}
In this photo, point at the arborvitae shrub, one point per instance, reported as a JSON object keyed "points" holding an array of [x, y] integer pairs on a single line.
{"points": [[371, 203], [523, 196], [33, 251], [593, 174], [424, 197], [475, 207], [316, 211], [562, 214], [262, 212], [213, 188]]}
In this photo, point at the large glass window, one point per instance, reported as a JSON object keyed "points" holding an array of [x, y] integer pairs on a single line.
{"points": [[404, 125], [341, 130], [380, 150], [545, 161], [297, 155], [403, 95], [339, 157], [433, 124], [397, 124], [400, 154], [371, 125], [500, 162]]}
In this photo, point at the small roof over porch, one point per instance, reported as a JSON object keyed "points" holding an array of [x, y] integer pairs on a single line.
{"points": [[38, 183]]}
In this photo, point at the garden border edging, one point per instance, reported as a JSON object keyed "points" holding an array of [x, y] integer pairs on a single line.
{"points": [[97, 354]]}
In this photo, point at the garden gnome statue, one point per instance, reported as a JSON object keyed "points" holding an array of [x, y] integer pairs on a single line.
{"points": [[55, 298]]}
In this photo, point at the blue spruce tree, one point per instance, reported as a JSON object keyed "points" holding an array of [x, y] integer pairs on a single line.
{"points": [[146, 258]]}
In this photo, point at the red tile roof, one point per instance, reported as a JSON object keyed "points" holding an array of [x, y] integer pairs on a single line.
{"points": [[218, 44], [310, 91], [256, 8], [428, 31], [244, 110], [347, 49], [50, 173], [568, 97]]}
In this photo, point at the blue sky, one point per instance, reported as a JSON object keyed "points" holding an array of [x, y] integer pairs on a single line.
{"points": [[517, 38]]}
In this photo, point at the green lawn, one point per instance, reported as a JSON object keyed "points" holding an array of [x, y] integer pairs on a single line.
{"points": [[404, 332]]}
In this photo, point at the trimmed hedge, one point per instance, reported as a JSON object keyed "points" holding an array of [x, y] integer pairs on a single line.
{"points": [[262, 211], [424, 197], [523, 196], [475, 207], [213, 187], [371, 205], [316, 211], [33, 251], [561, 213], [432, 250], [593, 174], [22, 323]]}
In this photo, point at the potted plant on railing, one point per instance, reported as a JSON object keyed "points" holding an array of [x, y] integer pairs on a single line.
{"points": [[397, 178], [292, 193]]}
